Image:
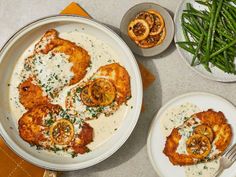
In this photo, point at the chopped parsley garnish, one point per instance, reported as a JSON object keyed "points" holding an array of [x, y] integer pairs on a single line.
{"points": [[38, 147], [49, 122], [55, 149], [73, 155], [79, 89]]}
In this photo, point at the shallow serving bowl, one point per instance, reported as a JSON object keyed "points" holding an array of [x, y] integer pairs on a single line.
{"points": [[130, 15], [9, 55]]}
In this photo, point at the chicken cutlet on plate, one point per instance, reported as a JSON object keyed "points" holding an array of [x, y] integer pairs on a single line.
{"points": [[201, 138]]}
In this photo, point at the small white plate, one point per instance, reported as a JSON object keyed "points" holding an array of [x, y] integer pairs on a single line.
{"points": [[156, 140], [217, 74], [130, 15]]}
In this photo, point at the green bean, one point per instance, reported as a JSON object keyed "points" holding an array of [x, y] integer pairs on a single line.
{"points": [[223, 48], [209, 36], [231, 7], [192, 30], [230, 18], [188, 43], [232, 13], [203, 3], [221, 67], [197, 49], [231, 50], [205, 25], [184, 31], [187, 48], [227, 59], [191, 21], [222, 20], [230, 25], [225, 34], [215, 22], [206, 66], [197, 14], [199, 26]]}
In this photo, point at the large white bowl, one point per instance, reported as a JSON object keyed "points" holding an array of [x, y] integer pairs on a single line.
{"points": [[9, 55]]}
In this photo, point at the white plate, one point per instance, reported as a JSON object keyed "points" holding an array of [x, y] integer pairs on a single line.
{"points": [[217, 74], [9, 55], [156, 140]]}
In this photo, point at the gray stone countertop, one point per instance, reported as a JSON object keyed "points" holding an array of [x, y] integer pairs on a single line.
{"points": [[173, 77]]}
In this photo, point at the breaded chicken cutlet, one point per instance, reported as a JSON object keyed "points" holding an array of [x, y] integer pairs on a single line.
{"points": [[208, 139], [104, 92], [119, 77], [31, 95], [78, 56], [45, 126], [45, 79]]}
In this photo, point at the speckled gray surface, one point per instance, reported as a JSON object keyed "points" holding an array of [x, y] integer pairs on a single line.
{"points": [[173, 77]]}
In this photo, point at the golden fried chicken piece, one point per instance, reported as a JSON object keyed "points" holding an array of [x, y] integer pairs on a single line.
{"points": [[119, 77], [220, 127], [31, 95], [84, 138], [35, 129], [78, 56], [31, 125], [171, 146], [222, 137]]}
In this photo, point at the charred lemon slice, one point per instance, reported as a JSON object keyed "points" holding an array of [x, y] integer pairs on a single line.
{"points": [[163, 35], [147, 17], [158, 23], [198, 146], [86, 99], [102, 92], [149, 42], [62, 132], [152, 40], [204, 130], [138, 29]]}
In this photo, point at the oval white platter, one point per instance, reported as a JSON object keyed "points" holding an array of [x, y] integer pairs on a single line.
{"points": [[216, 74]]}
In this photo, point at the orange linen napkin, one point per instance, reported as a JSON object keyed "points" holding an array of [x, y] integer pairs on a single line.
{"points": [[12, 165]]}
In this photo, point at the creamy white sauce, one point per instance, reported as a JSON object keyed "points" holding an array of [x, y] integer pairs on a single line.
{"points": [[106, 126], [52, 71], [185, 132], [175, 117], [206, 169], [100, 53]]}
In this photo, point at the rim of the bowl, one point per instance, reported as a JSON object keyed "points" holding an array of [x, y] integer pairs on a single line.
{"points": [[213, 78], [160, 111], [68, 167], [171, 21]]}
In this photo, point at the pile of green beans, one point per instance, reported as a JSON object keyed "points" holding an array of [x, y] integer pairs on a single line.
{"points": [[210, 34]]}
